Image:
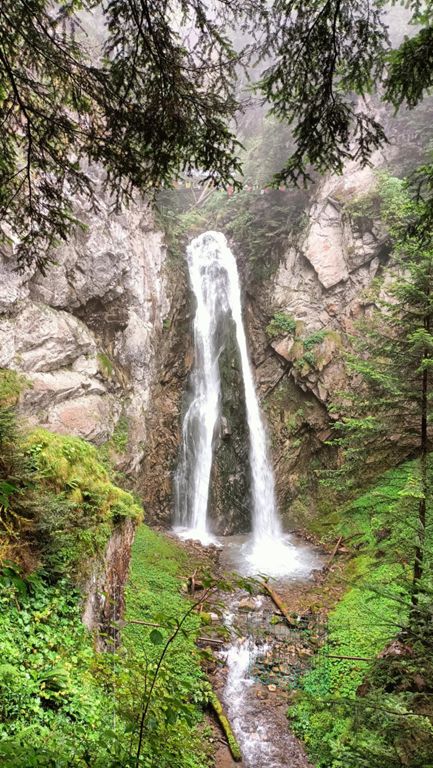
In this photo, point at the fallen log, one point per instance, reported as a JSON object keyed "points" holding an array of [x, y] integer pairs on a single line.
{"points": [[348, 658], [334, 552], [222, 718], [210, 641], [282, 607]]}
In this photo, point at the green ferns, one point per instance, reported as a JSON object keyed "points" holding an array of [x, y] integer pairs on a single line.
{"points": [[54, 710], [332, 714], [280, 325]]}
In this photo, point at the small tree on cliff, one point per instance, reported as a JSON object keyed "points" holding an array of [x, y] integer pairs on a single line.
{"points": [[393, 362]]}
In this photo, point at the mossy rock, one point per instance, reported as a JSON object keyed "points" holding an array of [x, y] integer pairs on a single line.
{"points": [[12, 384]]}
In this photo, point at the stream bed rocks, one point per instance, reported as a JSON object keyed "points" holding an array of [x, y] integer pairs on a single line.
{"points": [[253, 685], [259, 660]]}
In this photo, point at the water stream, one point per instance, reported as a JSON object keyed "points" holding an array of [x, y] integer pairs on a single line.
{"points": [[261, 730], [260, 726]]}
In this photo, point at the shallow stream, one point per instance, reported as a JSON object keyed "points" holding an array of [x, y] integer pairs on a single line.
{"points": [[261, 660]]}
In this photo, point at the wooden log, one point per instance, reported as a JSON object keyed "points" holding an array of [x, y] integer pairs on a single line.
{"points": [[348, 658], [222, 718], [282, 607], [210, 641], [334, 552]]}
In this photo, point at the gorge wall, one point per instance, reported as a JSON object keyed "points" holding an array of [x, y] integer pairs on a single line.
{"points": [[299, 324], [105, 340], [86, 334], [317, 283]]}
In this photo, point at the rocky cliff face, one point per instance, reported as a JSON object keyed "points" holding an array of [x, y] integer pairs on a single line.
{"points": [[319, 285], [318, 292], [105, 339], [86, 334]]}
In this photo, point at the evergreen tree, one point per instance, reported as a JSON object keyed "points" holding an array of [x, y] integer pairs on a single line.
{"points": [[386, 418], [155, 95], [148, 93]]}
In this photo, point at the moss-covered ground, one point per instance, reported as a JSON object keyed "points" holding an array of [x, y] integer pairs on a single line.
{"points": [[63, 703], [334, 709]]}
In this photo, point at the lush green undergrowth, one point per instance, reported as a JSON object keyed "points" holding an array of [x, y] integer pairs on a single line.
{"points": [[158, 568], [351, 712], [83, 502], [55, 711], [63, 703]]}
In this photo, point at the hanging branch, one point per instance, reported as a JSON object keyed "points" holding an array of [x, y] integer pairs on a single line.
{"points": [[167, 645]]}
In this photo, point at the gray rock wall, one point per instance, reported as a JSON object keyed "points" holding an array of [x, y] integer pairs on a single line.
{"points": [[86, 334], [321, 284]]}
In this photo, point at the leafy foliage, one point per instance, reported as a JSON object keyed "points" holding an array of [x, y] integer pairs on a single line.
{"points": [[157, 567], [61, 702], [84, 503], [353, 712], [58, 504], [53, 710], [281, 324]]}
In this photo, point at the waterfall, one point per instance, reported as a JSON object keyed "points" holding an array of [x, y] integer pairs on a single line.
{"points": [[215, 284], [208, 276]]}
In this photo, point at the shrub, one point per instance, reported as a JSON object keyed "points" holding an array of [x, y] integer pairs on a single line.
{"points": [[281, 325]]}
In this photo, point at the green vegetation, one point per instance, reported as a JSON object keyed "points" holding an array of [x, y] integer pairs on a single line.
{"points": [[63, 703], [373, 708], [105, 364], [316, 338], [158, 569], [12, 384], [259, 224], [303, 352], [333, 712], [54, 708], [280, 325], [81, 503], [58, 507], [120, 436], [225, 725]]}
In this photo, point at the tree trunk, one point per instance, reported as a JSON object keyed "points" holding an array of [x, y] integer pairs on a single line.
{"points": [[419, 549]]}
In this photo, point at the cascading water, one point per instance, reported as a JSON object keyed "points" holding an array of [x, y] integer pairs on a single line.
{"points": [[209, 284], [215, 284], [261, 731]]}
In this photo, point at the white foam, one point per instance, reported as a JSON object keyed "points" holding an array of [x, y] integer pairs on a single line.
{"points": [[277, 557], [197, 534]]}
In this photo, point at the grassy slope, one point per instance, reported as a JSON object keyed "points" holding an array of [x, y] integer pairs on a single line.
{"points": [[158, 568], [62, 704], [382, 524]]}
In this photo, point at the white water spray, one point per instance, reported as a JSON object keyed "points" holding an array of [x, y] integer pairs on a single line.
{"points": [[215, 283]]}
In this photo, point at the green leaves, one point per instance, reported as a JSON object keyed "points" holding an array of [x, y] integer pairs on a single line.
{"points": [[280, 325], [156, 637]]}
